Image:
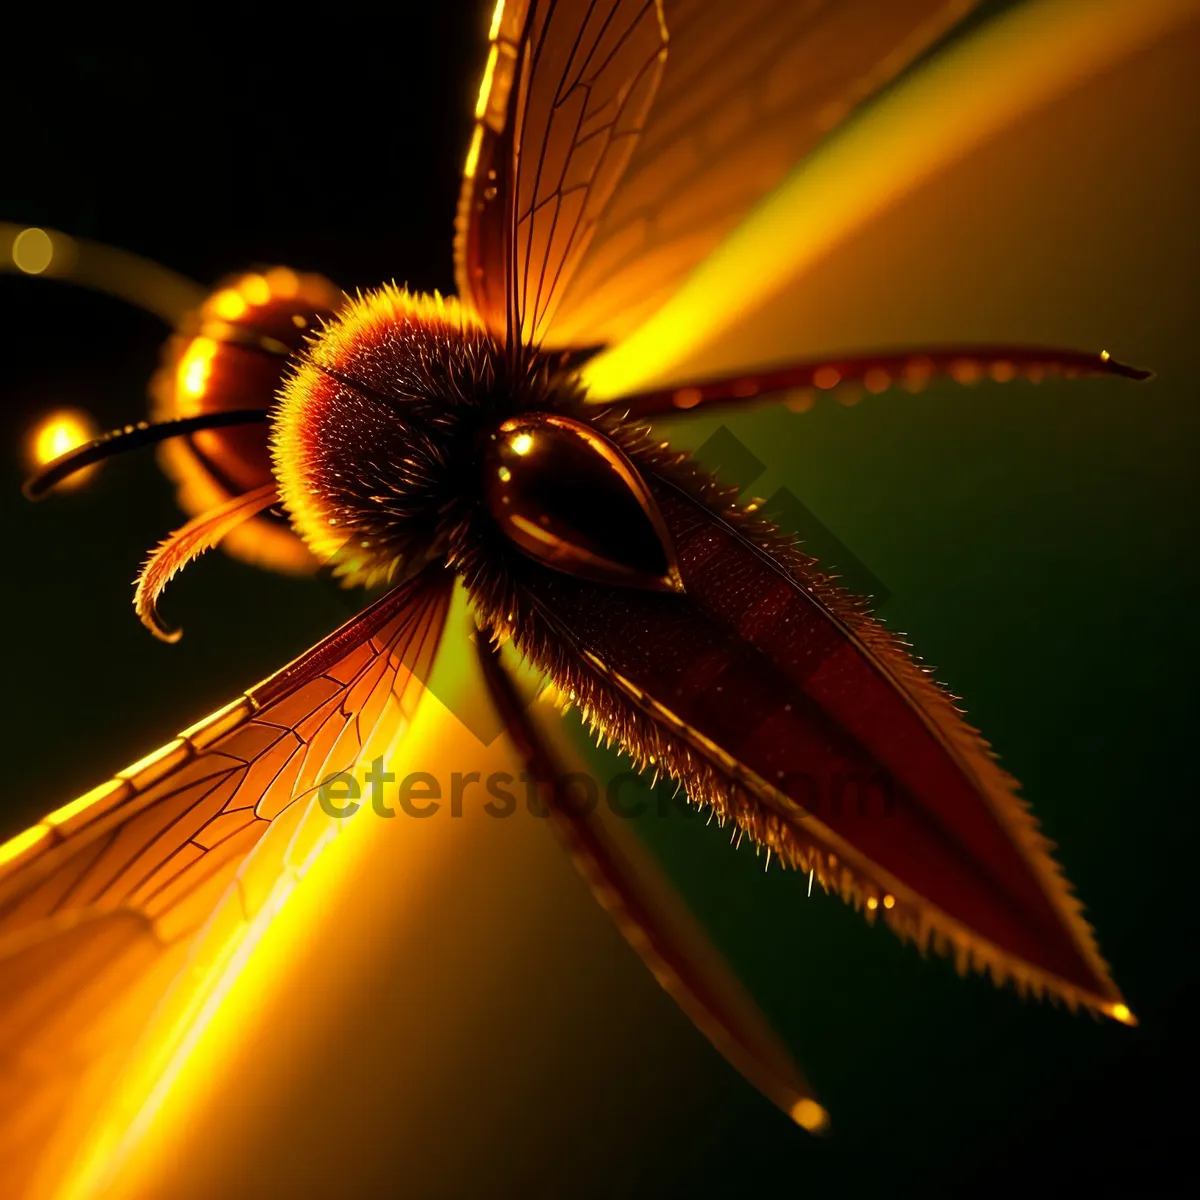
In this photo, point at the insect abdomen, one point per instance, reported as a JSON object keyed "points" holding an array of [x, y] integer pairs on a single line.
{"points": [[777, 701]]}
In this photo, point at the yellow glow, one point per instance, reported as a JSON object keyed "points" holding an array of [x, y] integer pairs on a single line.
{"points": [[55, 435], [522, 443], [962, 99], [195, 366], [157, 763], [194, 1020], [255, 289], [237, 967], [283, 282], [50, 252], [808, 1114], [1122, 1013], [20, 845], [64, 815], [121, 1135], [228, 305], [485, 84], [472, 162], [872, 904], [497, 18], [32, 251], [59, 432]]}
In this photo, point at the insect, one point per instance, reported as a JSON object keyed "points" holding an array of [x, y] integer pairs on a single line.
{"points": [[420, 440]]}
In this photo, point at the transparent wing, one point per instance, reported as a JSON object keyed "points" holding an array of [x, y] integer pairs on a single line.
{"points": [[973, 207], [100, 903], [565, 93], [745, 91], [157, 838]]}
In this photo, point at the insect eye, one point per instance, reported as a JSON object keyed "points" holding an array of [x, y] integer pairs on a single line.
{"points": [[565, 495]]}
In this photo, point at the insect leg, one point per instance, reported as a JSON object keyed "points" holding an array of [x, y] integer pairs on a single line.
{"points": [[188, 543], [653, 919]]}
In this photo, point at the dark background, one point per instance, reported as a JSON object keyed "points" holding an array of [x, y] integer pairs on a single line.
{"points": [[1049, 569]]}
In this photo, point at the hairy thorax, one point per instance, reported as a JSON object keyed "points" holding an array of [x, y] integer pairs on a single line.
{"points": [[381, 427]]}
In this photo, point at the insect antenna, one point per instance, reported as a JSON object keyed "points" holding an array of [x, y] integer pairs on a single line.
{"points": [[910, 369], [132, 437]]}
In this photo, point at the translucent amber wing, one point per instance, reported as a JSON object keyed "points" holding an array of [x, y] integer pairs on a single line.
{"points": [[75, 998], [564, 98], [101, 902], [480, 242], [163, 837], [747, 90]]}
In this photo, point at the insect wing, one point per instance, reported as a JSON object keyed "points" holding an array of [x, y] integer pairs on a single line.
{"points": [[101, 902], [815, 271], [564, 97], [647, 909], [682, 141]]}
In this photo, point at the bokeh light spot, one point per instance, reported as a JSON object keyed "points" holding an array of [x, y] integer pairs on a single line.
{"points": [[56, 434], [32, 251]]}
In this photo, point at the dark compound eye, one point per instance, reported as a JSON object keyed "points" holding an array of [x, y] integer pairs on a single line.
{"points": [[566, 496]]}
